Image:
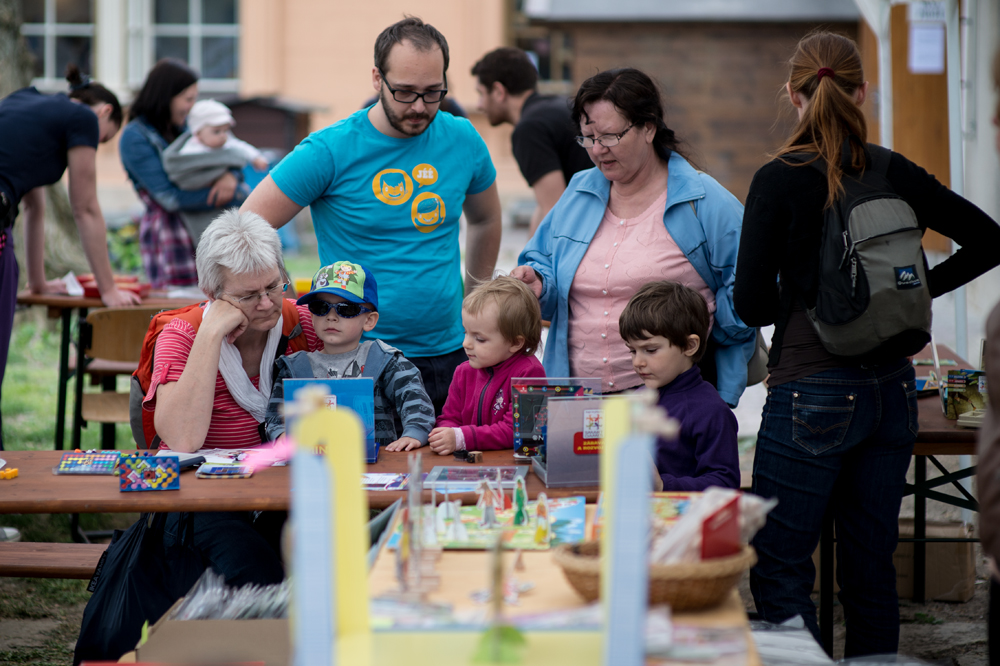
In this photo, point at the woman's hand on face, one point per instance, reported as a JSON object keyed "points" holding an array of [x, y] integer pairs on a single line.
{"points": [[226, 319], [223, 190], [120, 298], [528, 276]]}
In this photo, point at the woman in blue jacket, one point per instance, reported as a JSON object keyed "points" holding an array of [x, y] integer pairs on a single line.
{"points": [[157, 117], [643, 214]]}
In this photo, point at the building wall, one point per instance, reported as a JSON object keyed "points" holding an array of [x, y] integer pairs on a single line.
{"points": [[721, 83]]}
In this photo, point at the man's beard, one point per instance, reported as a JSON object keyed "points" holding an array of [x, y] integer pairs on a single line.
{"points": [[397, 121]]}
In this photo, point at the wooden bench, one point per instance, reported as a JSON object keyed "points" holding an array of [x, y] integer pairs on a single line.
{"points": [[49, 560]]}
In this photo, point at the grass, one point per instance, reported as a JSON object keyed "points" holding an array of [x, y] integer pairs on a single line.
{"points": [[28, 406]]}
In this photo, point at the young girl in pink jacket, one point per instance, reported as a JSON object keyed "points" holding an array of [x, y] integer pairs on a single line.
{"points": [[503, 326]]}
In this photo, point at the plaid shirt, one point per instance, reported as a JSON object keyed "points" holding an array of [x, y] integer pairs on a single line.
{"points": [[167, 251]]}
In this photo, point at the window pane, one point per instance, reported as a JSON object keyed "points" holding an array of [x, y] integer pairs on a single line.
{"points": [[34, 11], [170, 11], [172, 47], [218, 11], [74, 11], [218, 57], [72, 50], [36, 44]]}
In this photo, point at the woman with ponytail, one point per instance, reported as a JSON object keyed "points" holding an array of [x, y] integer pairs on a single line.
{"points": [[837, 433], [42, 136], [644, 214]]}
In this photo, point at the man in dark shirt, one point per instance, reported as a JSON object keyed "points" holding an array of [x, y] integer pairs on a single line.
{"points": [[544, 138]]}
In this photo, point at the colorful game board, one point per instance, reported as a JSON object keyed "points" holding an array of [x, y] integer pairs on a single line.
{"points": [[529, 396], [88, 462], [567, 519], [138, 473]]}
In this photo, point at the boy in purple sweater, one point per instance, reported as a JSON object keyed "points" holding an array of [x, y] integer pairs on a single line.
{"points": [[665, 326]]}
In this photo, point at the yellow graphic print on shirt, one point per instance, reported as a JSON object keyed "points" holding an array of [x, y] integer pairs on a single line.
{"points": [[392, 186], [428, 212], [425, 174]]}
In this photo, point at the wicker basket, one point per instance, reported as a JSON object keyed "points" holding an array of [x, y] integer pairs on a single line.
{"points": [[686, 587]]}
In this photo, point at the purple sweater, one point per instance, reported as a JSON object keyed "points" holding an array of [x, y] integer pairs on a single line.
{"points": [[705, 454], [479, 402]]}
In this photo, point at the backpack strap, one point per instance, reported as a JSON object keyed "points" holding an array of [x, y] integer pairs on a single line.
{"points": [[879, 158]]}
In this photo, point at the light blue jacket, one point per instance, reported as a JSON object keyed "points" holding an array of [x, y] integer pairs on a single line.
{"points": [[708, 233]]}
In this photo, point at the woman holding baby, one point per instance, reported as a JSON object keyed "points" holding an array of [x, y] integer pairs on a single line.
{"points": [[158, 115]]}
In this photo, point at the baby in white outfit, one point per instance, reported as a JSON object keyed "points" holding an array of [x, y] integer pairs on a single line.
{"points": [[210, 124]]}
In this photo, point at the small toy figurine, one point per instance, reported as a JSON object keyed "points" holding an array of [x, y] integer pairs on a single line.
{"points": [[519, 561], [403, 553], [487, 504], [520, 502], [542, 529]]}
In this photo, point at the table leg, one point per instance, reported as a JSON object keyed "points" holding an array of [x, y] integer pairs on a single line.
{"points": [[78, 407], [67, 323], [826, 584], [919, 527]]}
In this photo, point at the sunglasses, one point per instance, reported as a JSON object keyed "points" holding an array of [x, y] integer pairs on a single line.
{"points": [[321, 308]]}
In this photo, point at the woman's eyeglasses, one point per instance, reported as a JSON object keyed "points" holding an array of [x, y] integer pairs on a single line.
{"points": [[321, 308], [606, 140], [254, 299]]}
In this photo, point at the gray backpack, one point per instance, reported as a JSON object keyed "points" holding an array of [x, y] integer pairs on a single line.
{"points": [[872, 298]]}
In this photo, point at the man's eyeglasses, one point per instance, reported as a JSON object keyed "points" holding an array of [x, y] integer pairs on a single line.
{"points": [[321, 308], [411, 96], [253, 299], [606, 140]]}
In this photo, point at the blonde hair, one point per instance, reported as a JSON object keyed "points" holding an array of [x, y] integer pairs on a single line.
{"points": [[833, 113], [518, 314]]}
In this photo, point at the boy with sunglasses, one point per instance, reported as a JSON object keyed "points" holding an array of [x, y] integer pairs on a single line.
{"points": [[343, 302]]}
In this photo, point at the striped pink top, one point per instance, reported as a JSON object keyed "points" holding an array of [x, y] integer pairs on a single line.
{"points": [[622, 257], [231, 427]]}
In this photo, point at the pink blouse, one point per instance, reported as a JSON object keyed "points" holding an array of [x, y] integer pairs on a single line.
{"points": [[622, 257]]}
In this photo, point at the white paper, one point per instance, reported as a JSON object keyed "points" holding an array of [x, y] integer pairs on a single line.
{"points": [[193, 293], [926, 54], [73, 286]]}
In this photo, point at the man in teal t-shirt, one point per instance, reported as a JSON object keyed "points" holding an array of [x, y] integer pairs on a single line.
{"points": [[386, 187]]}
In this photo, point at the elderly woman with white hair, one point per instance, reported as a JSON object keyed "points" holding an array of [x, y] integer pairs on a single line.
{"points": [[212, 370], [212, 379]]}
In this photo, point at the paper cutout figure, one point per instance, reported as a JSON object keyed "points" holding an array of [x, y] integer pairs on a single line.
{"points": [[487, 503], [520, 502], [543, 530]]}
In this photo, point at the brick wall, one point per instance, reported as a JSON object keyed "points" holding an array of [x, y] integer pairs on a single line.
{"points": [[721, 84]]}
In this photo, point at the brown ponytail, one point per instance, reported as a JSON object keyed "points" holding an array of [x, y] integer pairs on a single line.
{"points": [[91, 93], [832, 114]]}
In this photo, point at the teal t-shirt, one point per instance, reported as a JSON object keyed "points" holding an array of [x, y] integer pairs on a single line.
{"points": [[394, 205]]}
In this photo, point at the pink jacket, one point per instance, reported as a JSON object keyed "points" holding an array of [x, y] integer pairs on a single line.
{"points": [[479, 402]]}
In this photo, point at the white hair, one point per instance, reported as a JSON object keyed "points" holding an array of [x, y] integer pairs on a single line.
{"points": [[242, 242]]}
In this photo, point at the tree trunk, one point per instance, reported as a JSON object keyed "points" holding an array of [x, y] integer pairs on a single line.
{"points": [[63, 250]]}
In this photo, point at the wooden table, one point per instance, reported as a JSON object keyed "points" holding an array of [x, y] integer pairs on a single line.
{"points": [[938, 436], [37, 490], [61, 306]]}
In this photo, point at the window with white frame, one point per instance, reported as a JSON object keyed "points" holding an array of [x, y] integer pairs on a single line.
{"points": [[203, 33], [58, 32]]}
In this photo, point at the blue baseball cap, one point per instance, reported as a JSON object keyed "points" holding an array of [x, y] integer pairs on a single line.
{"points": [[351, 281]]}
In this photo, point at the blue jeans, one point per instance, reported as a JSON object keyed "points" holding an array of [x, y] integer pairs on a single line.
{"points": [[234, 544], [839, 440]]}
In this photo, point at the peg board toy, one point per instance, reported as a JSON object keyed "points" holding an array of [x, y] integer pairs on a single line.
{"points": [[149, 473], [88, 462]]}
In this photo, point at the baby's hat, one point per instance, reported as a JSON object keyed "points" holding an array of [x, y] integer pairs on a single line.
{"points": [[209, 113]]}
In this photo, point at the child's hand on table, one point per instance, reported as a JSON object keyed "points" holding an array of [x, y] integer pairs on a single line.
{"points": [[442, 441], [403, 444]]}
